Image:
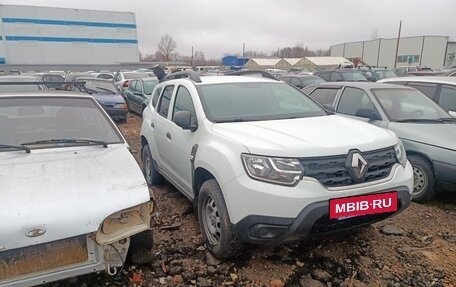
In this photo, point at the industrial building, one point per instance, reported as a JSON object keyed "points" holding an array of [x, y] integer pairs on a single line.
{"points": [[44, 35], [424, 51]]}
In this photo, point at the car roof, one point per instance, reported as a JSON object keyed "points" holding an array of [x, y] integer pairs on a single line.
{"points": [[361, 85], [424, 79], [46, 94], [94, 79], [11, 78], [227, 79]]}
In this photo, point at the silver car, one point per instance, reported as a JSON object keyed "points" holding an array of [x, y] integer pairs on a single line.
{"points": [[427, 131]]}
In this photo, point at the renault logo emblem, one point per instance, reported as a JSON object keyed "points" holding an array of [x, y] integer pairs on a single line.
{"points": [[35, 232], [356, 166]]}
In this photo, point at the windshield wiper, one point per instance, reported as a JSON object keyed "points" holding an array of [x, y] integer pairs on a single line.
{"points": [[106, 90], [448, 119], [231, 121], [19, 147], [77, 141], [420, 121]]}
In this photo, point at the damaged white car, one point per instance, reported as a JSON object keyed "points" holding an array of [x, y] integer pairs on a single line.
{"points": [[73, 199]]}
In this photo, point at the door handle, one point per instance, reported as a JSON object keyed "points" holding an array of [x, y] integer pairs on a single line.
{"points": [[152, 125], [168, 135]]}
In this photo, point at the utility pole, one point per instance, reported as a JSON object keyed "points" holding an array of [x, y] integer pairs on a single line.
{"points": [[243, 52], [397, 44], [192, 59]]}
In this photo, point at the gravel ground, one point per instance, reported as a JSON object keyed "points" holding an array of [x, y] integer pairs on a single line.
{"points": [[415, 248]]}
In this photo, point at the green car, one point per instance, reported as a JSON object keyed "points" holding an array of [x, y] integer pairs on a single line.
{"points": [[138, 94]]}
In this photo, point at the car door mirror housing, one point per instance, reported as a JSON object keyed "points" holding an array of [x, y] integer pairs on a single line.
{"points": [[183, 119]]}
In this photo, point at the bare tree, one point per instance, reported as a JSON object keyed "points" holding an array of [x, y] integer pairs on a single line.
{"points": [[374, 35], [166, 48]]}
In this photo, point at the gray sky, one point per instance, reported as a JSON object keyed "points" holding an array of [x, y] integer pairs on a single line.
{"points": [[218, 27]]}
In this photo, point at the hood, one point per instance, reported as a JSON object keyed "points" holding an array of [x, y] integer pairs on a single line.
{"points": [[109, 100], [66, 191], [440, 134], [306, 137]]}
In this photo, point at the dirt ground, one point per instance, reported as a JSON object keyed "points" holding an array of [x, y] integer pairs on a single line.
{"points": [[415, 248]]}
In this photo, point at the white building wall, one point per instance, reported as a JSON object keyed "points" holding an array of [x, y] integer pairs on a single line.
{"points": [[42, 35], [353, 50], [337, 50], [434, 49], [370, 54], [387, 53], [450, 59]]}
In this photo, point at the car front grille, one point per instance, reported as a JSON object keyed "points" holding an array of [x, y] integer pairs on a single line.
{"points": [[332, 172], [42, 257]]}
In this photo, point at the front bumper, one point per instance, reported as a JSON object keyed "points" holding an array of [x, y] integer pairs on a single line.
{"points": [[300, 209], [312, 220]]}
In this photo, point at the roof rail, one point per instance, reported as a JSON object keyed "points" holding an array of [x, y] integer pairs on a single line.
{"points": [[263, 74], [184, 74]]}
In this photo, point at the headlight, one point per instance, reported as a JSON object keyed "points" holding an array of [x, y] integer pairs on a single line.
{"points": [[400, 153], [120, 106], [286, 171]]}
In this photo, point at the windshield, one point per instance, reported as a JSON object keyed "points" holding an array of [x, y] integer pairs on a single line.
{"points": [[30, 119], [135, 75], [404, 104], [19, 88], [353, 76], [255, 102], [100, 87], [149, 86], [385, 74], [312, 81]]}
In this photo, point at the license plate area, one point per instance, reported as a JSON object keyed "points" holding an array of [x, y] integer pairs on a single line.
{"points": [[42, 257], [347, 207]]}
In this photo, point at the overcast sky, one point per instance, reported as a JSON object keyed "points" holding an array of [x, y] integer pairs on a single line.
{"points": [[219, 27]]}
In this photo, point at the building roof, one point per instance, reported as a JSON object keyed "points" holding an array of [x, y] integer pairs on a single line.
{"points": [[292, 61], [327, 61], [265, 62]]}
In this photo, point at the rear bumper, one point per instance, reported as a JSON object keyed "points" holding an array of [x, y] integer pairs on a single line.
{"points": [[312, 220], [116, 113]]}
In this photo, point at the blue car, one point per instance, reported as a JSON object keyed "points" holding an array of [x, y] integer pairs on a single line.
{"points": [[107, 96]]}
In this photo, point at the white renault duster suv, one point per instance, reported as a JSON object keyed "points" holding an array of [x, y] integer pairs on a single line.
{"points": [[264, 163]]}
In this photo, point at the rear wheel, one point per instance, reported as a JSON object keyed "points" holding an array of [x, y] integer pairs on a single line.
{"points": [[423, 179], [153, 177], [215, 222]]}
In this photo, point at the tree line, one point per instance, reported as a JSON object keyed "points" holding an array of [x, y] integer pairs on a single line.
{"points": [[167, 52]]}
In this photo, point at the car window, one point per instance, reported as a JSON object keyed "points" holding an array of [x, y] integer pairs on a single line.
{"points": [[325, 76], [336, 77], [118, 77], [353, 76], [149, 86], [324, 96], [165, 100], [353, 100], [155, 97], [131, 85], [255, 101], [403, 104], [296, 82], [29, 119], [183, 102], [448, 98], [426, 88]]}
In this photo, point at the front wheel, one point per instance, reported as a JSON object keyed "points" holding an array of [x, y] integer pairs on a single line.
{"points": [[141, 247], [153, 177], [423, 179], [215, 222]]}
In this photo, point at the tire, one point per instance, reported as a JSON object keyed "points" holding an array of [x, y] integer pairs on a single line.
{"points": [[153, 177], [423, 179], [141, 248], [214, 221]]}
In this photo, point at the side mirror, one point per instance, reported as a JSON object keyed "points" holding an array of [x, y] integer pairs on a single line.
{"points": [[183, 119], [368, 114]]}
